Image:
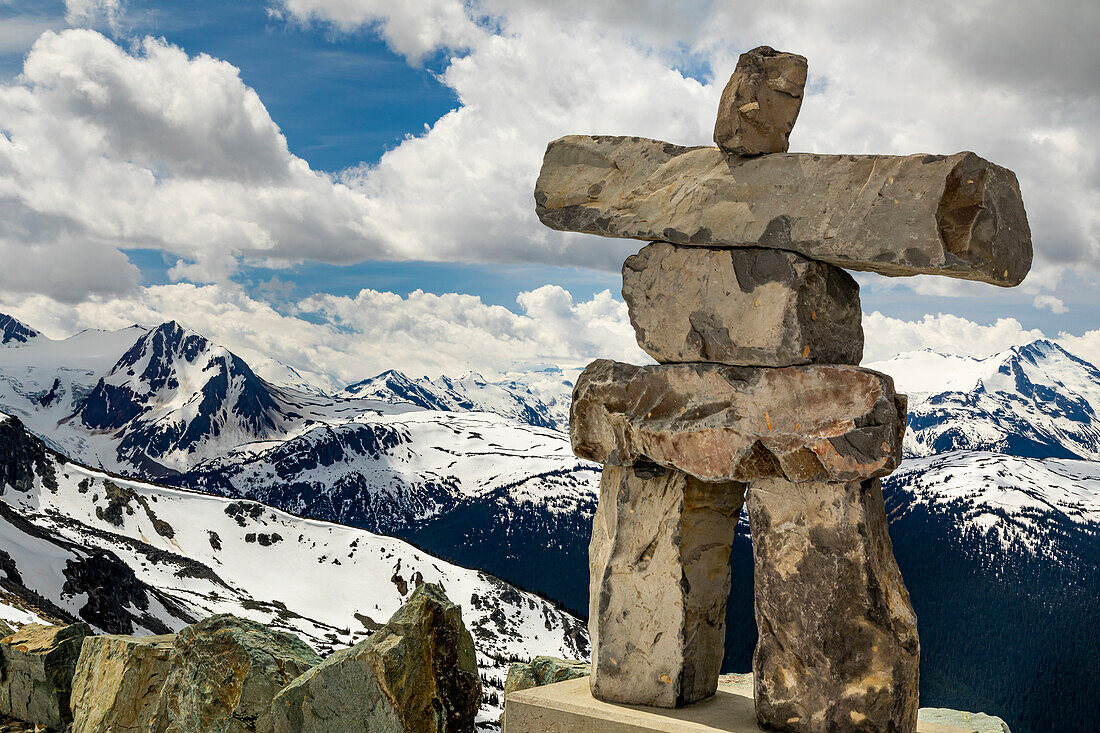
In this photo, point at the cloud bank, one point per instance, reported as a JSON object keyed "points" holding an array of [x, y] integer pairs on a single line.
{"points": [[344, 339], [107, 145]]}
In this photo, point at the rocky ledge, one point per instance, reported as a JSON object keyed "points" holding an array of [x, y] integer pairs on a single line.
{"points": [[230, 675]]}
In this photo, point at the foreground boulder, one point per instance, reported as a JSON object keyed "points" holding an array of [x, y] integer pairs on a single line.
{"points": [[225, 672], [837, 647], [748, 307], [543, 671], [724, 423], [956, 215], [660, 577], [761, 102], [38, 665], [417, 674], [118, 683]]}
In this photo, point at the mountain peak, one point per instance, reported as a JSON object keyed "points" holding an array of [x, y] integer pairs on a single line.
{"points": [[15, 331], [1045, 348], [1035, 400]]}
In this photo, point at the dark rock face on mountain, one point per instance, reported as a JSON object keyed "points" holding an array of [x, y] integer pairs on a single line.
{"points": [[15, 332], [21, 457]]}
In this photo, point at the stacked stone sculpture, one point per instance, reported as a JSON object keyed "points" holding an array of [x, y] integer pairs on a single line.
{"points": [[757, 333]]}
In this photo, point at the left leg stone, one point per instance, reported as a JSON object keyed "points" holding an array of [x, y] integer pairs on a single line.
{"points": [[660, 577]]}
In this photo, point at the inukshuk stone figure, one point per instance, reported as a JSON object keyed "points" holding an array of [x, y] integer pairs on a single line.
{"points": [[756, 329]]}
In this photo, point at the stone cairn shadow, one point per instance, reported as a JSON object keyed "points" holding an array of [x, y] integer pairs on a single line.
{"points": [[757, 397]]}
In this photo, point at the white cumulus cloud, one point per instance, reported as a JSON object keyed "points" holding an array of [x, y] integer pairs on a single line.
{"points": [[102, 148], [351, 338]]}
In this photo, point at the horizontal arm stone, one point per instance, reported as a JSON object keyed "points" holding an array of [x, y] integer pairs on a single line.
{"points": [[956, 215], [726, 423]]}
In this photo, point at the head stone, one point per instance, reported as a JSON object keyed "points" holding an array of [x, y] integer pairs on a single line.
{"points": [[761, 102]]}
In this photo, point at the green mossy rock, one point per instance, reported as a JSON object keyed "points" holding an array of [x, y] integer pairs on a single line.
{"points": [[38, 664], [417, 674], [543, 671], [224, 673]]}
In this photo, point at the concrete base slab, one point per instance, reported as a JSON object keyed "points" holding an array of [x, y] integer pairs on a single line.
{"points": [[568, 707]]}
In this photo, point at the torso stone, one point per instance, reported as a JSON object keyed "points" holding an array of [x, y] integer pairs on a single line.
{"points": [[749, 307]]}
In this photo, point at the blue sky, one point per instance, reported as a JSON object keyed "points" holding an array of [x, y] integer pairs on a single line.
{"points": [[411, 134]]}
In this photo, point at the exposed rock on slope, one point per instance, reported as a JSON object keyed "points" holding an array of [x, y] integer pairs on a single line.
{"points": [[15, 332]]}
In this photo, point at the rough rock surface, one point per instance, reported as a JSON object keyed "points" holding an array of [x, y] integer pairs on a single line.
{"points": [[978, 722], [225, 672], [760, 102], [37, 672], [751, 307], [118, 683], [543, 671], [660, 578], [725, 423], [838, 647], [956, 215], [416, 674]]}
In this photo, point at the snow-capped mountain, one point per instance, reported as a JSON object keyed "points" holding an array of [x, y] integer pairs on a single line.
{"points": [[154, 402], [384, 472], [1036, 400], [1001, 556], [453, 464], [469, 393], [1040, 507], [43, 381], [129, 556], [174, 396], [15, 332]]}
